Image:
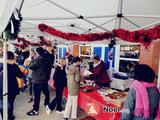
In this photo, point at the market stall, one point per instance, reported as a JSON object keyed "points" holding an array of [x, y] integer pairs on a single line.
{"points": [[99, 107], [79, 24], [98, 102]]}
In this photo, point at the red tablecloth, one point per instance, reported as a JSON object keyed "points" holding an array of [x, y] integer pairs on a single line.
{"points": [[93, 98]]}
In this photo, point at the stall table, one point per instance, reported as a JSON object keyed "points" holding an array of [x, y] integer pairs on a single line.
{"points": [[93, 102]]}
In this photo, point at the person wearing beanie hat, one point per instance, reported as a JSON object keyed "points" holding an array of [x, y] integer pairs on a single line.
{"points": [[40, 75]]}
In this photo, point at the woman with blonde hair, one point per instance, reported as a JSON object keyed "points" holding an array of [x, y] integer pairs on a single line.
{"points": [[60, 82]]}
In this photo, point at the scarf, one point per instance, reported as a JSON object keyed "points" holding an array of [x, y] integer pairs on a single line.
{"points": [[95, 65], [142, 102]]}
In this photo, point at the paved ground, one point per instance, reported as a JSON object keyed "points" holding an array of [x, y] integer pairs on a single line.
{"points": [[22, 107]]}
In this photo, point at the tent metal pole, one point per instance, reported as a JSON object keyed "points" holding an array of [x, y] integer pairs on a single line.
{"points": [[131, 22], [5, 80], [35, 26], [101, 25], [49, 18], [20, 8], [146, 26], [142, 16], [80, 28], [78, 16], [66, 18], [120, 22], [105, 23], [96, 25], [121, 6], [35, 5], [120, 12], [30, 23]]}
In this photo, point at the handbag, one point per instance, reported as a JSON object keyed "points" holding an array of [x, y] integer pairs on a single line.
{"points": [[20, 82]]}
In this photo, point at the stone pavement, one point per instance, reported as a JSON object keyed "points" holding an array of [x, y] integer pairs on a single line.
{"points": [[22, 107]]}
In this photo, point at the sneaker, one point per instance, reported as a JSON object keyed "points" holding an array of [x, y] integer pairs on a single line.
{"points": [[60, 112], [32, 113], [48, 110]]}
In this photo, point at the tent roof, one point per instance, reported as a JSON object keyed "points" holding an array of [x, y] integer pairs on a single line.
{"points": [[103, 13]]}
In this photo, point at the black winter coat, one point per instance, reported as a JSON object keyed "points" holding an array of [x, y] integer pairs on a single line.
{"points": [[13, 72], [59, 77], [41, 68]]}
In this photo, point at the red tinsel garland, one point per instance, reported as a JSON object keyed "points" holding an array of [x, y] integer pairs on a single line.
{"points": [[140, 36], [73, 36], [27, 43]]}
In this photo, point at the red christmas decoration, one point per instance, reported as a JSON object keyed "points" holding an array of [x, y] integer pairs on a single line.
{"points": [[73, 36], [142, 36], [26, 43]]}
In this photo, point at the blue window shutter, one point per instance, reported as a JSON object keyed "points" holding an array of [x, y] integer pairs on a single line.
{"points": [[113, 56], [60, 53], [97, 51], [64, 51], [106, 57]]}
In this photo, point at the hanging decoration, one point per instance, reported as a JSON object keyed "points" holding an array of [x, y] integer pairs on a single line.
{"points": [[112, 43], [13, 28], [26, 43], [143, 36], [44, 41], [73, 36], [20, 45]]}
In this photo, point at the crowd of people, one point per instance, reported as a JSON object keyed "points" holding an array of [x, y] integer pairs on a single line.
{"points": [[34, 69]]}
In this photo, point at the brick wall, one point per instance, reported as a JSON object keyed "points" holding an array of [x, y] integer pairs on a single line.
{"points": [[151, 56]]}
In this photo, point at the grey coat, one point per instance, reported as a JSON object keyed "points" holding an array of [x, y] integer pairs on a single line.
{"points": [[154, 98], [73, 79]]}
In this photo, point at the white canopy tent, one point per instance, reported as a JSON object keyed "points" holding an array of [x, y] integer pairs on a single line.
{"points": [[98, 15]]}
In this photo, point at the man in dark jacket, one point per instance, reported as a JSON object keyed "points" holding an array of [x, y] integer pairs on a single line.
{"points": [[40, 68], [13, 89]]}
